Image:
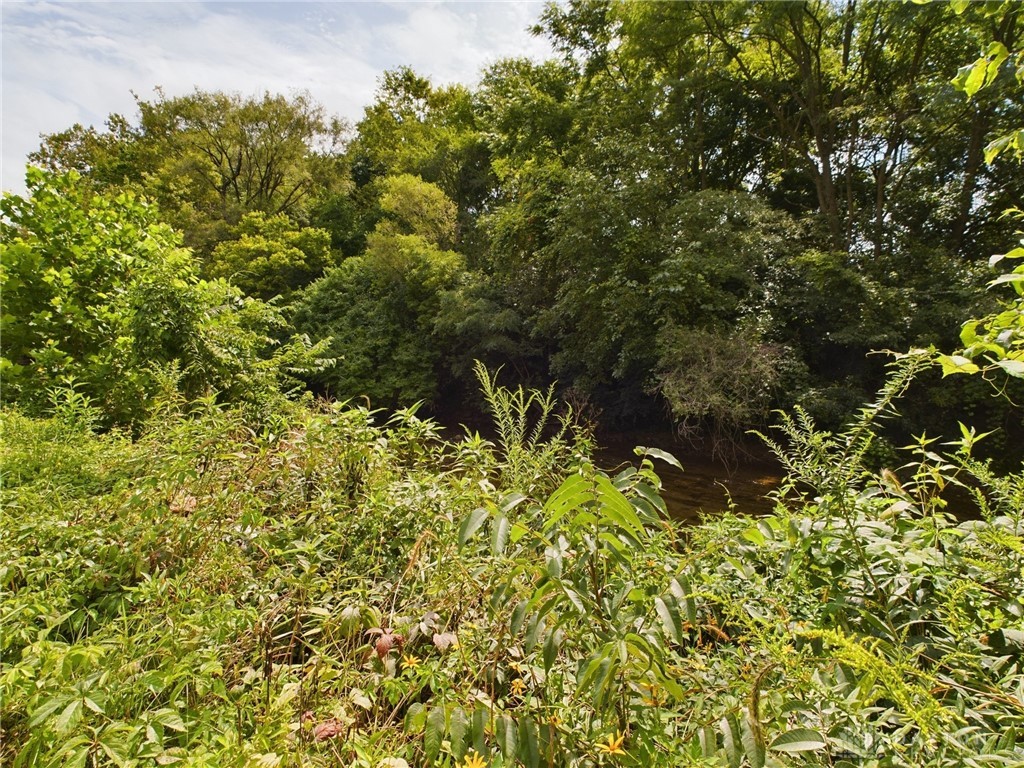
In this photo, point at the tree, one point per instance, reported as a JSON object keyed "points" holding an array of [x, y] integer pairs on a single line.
{"points": [[270, 256], [99, 295], [379, 310], [411, 206], [417, 129], [207, 158]]}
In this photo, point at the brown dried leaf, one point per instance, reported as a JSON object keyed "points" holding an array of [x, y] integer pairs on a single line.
{"points": [[445, 640], [328, 729], [384, 645], [184, 504]]}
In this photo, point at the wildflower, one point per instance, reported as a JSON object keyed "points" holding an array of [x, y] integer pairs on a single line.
{"points": [[518, 686], [554, 720], [473, 760], [614, 745], [409, 661], [655, 697]]}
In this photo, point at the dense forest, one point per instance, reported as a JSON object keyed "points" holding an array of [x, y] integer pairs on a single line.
{"points": [[231, 535]]}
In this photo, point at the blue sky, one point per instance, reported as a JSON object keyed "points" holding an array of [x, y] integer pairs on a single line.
{"points": [[68, 62]]}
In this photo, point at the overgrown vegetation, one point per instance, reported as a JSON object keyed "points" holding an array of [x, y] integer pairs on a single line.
{"points": [[333, 591], [202, 565]]}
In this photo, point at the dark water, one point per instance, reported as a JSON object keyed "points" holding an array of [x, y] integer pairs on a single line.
{"points": [[705, 486]]}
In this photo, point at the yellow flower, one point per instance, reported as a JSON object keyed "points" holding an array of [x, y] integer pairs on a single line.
{"points": [[614, 745], [409, 661], [655, 698], [518, 686], [473, 760], [555, 720]]}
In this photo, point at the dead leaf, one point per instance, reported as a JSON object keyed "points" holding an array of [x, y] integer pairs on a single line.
{"points": [[328, 729], [445, 640]]}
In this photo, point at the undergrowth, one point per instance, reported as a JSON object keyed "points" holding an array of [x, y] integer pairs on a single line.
{"points": [[340, 591]]}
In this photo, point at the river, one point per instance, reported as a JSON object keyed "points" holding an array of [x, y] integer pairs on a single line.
{"points": [[705, 486]]}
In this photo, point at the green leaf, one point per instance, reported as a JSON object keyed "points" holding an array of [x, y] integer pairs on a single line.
{"points": [[45, 710], [798, 740], [434, 734], [91, 704], [478, 733], [731, 738], [753, 746], [575, 599], [415, 718], [518, 531], [669, 619], [952, 364], [518, 617], [70, 717], [975, 77], [660, 454], [506, 735], [512, 501], [603, 681], [553, 562], [499, 535], [618, 509], [551, 645], [1010, 277], [682, 592], [529, 748], [458, 731], [472, 524], [533, 630], [573, 493], [170, 719]]}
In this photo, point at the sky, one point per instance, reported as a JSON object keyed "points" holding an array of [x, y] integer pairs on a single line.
{"points": [[77, 62]]}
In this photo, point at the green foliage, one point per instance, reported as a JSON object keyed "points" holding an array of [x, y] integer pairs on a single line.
{"points": [[209, 157], [94, 291], [269, 256], [379, 309], [995, 341], [536, 444], [334, 590], [994, 344], [720, 384], [411, 206], [98, 294]]}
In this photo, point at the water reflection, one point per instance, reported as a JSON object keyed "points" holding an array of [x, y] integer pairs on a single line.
{"points": [[706, 486]]}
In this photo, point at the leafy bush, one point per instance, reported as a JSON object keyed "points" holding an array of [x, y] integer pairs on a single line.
{"points": [[100, 296], [379, 310], [336, 591]]}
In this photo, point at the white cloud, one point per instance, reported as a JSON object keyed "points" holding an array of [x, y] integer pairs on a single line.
{"points": [[77, 62]]}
